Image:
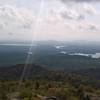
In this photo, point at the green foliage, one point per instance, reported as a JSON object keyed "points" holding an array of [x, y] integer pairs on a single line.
{"points": [[72, 88], [37, 85], [3, 93]]}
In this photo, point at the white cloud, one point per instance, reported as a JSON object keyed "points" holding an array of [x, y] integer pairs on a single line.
{"points": [[80, 1], [77, 11], [12, 17], [86, 26], [71, 14], [57, 20], [89, 9]]}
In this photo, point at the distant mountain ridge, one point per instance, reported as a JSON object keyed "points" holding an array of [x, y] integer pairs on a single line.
{"points": [[34, 71], [15, 72]]}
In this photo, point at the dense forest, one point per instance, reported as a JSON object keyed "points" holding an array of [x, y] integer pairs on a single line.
{"points": [[42, 84]]}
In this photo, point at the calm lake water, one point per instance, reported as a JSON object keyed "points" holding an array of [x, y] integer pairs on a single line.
{"points": [[96, 55]]}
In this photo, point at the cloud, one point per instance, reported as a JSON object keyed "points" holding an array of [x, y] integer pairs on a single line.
{"points": [[62, 20], [86, 26], [89, 9], [77, 11], [12, 17], [80, 1], [67, 13], [71, 14], [10, 34]]}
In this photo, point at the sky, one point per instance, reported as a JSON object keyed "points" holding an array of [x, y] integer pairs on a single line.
{"points": [[62, 20]]}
